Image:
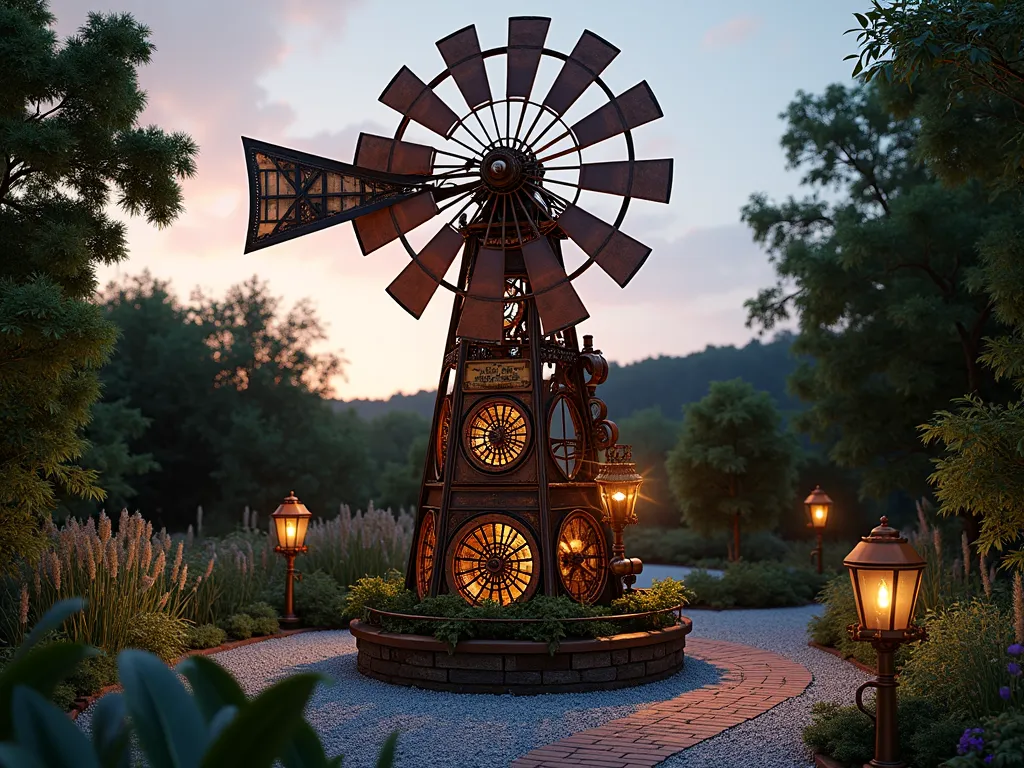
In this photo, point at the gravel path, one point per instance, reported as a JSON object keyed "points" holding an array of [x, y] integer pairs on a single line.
{"points": [[355, 714], [773, 739]]}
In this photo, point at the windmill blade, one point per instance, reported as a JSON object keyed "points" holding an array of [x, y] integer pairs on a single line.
{"points": [[461, 54], [380, 153], [292, 193], [585, 64], [558, 304], [410, 97], [615, 252], [387, 224], [627, 111], [483, 320], [416, 284], [651, 179], [526, 36]]}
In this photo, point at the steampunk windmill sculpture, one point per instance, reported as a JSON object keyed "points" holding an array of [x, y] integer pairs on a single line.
{"points": [[508, 506]]}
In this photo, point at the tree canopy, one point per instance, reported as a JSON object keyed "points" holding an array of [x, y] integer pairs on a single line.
{"points": [[879, 262], [961, 58], [733, 464], [69, 146]]}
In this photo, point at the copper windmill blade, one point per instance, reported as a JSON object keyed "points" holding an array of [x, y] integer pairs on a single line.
{"points": [[558, 304], [293, 193], [615, 252], [461, 54], [410, 97], [627, 111], [379, 153], [415, 285], [585, 64], [644, 179], [526, 36], [385, 225], [483, 320]]}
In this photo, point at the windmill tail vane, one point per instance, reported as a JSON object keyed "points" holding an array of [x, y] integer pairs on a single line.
{"points": [[515, 507]]}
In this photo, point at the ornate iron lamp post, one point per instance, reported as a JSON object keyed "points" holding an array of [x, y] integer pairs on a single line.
{"points": [[886, 575], [818, 505], [619, 484], [290, 520]]}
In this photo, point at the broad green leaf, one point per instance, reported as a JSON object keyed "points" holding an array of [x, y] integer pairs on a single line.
{"points": [[386, 759], [110, 732], [304, 750], [221, 719], [167, 720], [258, 734], [212, 686], [861, 19], [50, 621], [41, 670], [46, 731], [15, 756]]}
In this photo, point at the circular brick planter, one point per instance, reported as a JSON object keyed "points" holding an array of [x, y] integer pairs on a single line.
{"points": [[520, 667]]}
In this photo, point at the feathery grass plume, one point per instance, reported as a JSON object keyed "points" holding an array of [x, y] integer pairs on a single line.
{"points": [[55, 574], [245, 519], [159, 564], [105, 525], [23, 612], [957, 570], [965, 548], [37, 581], [147, 555], [90, 565], [986, 582], [147, 582], [252, 521], [209, 569], [111, 558], [199, 521], [163, 601], [181, 579], [166, 540], [190, 536], [1018, 608], [177, 562], [937, 543]]}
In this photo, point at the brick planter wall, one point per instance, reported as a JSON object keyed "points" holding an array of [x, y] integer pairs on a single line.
{"points": [[520, 666]]}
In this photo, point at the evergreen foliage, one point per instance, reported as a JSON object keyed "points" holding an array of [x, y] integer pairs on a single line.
{"points": [[69, 146], [733, 464]]}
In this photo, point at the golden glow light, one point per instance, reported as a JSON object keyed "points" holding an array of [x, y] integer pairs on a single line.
{"points": [[819, 513], [883, 596], [619, 496]]}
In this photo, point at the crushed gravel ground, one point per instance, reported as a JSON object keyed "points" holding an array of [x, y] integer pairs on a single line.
{"points": [[355, 714]]}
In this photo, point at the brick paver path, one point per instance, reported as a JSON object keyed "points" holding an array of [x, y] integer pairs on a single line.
{"points": [[753, 681]]}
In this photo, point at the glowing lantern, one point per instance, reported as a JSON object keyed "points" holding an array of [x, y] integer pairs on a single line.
{"points": [[290, 520]]}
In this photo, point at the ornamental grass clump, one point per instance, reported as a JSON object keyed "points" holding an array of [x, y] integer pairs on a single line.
{"points": [[121, 576]]}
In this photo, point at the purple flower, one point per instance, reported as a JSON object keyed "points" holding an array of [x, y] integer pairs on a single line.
{"points": [[971, 741], [1004, 693], [988, 759], [1013, 668], [1015, 650]]}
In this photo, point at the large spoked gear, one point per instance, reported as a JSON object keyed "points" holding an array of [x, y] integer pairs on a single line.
{"points": [[508, 174]]}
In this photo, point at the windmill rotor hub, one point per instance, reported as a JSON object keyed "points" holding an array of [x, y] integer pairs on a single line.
{"points": [[502, 169]]}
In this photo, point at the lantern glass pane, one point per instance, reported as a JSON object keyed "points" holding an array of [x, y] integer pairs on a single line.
{"points": [[279, 531], [906, 591], [877, 593], [819, 515], [300, 532]]}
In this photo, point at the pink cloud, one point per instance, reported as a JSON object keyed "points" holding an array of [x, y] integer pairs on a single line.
{"points": [[731, 32]]}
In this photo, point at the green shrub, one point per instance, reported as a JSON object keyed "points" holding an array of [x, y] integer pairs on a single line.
{"points": [[264, 626], [320, 601], [260, 610], [390, 595], [755, 585], [211, 722], [684, 546], [159, 633], [962, 664], [829, 628], [998, 743], [382, 592], [205, 636], [239, 626], [927, 733]]}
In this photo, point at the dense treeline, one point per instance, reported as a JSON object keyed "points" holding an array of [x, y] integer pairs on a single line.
{"points": [[221, 403]]}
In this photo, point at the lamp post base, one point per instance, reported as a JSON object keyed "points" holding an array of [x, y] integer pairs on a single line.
{"points": [[886, 728]]}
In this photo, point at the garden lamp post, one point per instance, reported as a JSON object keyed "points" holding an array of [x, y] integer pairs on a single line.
{"points": [[886, 575], [290, 520], [619, 484], [818, 505]]}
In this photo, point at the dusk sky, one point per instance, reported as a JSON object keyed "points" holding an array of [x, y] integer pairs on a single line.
{"points": [[307, 74]]}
